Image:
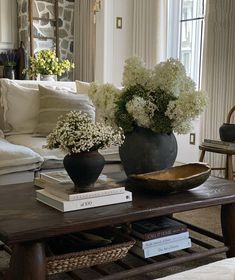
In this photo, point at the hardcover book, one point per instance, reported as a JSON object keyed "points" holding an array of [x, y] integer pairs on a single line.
{"points": [[62, 177], [65, 206], [157, 227], [162, 248], [66, 190], [161, 240]]}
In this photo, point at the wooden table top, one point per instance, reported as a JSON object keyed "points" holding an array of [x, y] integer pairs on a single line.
{"points": [[22, 218]]}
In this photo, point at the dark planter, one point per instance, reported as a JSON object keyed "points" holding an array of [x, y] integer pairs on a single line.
{"points": [[84, 168], [9, 72], [145, 151]]}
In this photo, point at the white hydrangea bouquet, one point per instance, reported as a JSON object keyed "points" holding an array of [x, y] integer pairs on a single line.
{"points": [[76, 132], [163, 99]]}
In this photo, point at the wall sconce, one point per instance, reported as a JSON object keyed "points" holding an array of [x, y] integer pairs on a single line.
{"points": [[96, 8]]}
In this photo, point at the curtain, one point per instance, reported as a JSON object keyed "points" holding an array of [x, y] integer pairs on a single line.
{"points": [[150, 30], [218, 70], [84, 40]]}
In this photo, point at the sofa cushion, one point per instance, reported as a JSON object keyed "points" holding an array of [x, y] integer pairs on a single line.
{"points": [[52, 158], [55, 102], [21, 107], [17, 158], [82, 87]]}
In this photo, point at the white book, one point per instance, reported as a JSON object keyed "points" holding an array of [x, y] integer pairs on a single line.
{"points": [[65, 206], [162, 248], [66, 190], [162, 240], [62, 177]]}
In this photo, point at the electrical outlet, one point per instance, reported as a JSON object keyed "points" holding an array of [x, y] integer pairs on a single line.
{"points": [[119, 22], [192, 138]]}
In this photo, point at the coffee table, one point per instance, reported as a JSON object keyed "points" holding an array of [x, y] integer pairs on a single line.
{"points": [[25, 223]]}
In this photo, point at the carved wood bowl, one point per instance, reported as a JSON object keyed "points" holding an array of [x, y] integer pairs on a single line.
{"points": [[173, 179]]}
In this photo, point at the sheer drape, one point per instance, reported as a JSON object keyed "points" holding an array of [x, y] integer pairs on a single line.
{"points": [[84, 40], [150, 30], [218, 71]]}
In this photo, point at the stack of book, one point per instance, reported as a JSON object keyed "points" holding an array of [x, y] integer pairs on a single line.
{"points": [[159, 236], [58, 192], [219, 144]]}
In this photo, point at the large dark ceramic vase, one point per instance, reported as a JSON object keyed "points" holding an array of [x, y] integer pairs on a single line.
{"points": [[84, 168], [145, 151]]}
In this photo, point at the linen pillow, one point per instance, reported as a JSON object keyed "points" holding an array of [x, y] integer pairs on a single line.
{"points": [[82, 87], [20, 107], [55, 102]]}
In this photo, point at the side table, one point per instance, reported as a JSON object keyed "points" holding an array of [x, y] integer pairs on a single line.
{"points": [[229, 163]]}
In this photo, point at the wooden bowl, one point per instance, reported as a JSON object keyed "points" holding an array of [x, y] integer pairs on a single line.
{"points": [[174, 179]]}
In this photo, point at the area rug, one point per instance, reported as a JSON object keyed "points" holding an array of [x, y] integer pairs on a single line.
{"points": [[208, 218]]}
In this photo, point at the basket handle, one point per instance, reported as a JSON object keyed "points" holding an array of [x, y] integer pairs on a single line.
{"points": [[230, 114]]}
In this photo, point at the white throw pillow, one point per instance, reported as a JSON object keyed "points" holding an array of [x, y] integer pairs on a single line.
{"points": [[82, 87], [56, 102], [21, 107]]}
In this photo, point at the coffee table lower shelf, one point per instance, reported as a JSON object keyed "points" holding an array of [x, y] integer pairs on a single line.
{"points": [[123, 269]]}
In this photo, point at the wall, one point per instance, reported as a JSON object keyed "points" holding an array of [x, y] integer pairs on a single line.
{"points": [[113, 45], [8, 24]]}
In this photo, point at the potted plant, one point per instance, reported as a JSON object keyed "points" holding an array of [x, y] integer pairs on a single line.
{"points": [[46, 66], [9, 60], [152, 104], [81, 138]]}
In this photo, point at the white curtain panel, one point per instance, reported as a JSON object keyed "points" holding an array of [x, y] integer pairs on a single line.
{"points": [[218, 70], [150, 30], [84, 40]]}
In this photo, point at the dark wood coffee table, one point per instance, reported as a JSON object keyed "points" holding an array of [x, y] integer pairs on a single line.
{"points": [[25, 223]]}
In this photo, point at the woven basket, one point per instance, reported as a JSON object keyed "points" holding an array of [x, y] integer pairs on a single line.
{"points": [[87, 258]]}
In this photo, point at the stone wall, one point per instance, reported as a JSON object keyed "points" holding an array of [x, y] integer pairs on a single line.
{"points": [[46, 27]]}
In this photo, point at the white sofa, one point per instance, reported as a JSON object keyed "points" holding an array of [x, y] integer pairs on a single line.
{"points": [[21, 152]]}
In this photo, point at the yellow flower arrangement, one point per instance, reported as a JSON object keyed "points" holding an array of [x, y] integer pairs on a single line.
{"points": [[46, 63]]}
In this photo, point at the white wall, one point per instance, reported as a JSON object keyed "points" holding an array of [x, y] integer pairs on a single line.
{"points": [[113, 45], [8, 24]]}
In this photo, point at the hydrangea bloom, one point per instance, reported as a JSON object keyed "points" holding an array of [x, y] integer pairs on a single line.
{"points": [[163, 99]]}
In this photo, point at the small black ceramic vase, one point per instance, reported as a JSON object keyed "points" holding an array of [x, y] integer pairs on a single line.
{"points": [[84, 169]]}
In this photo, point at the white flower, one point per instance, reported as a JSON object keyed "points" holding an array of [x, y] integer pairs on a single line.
{"points": [[163, 99], [141, 110], [104, 97], [136, 73], [76, 133], [171, 76]]}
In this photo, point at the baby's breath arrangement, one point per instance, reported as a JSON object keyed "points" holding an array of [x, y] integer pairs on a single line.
{"points": [[163, 99], [76, 132], [46, 63]]}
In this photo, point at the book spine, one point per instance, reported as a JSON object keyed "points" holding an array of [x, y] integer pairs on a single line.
{"points": [[162, 240], [66, 206], [160, 233], [162, 249], [87, 195]]}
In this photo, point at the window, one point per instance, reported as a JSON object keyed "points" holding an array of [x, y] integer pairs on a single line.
{"points": [[185, 34], [191, 35]]}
